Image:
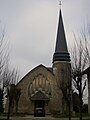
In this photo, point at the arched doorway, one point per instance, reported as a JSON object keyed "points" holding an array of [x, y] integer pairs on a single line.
{"points": [[40, 100], [40, 92]]}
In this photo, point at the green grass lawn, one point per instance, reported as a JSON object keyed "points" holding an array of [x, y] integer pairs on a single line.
{"points": [[3, 116]]}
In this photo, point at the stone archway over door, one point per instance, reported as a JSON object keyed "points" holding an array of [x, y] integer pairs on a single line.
{"points": [[40, 100], [39, 92]]}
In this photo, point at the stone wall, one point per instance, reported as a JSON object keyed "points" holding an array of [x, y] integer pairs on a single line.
{"points": [[56, 103], [26, 105], [62, 71]]}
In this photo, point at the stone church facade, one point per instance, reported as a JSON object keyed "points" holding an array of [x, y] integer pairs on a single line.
{"points": [[46, 87]]}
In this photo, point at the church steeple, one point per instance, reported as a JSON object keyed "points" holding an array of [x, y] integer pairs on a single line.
{"points": [[61, 66], [61, 51]]}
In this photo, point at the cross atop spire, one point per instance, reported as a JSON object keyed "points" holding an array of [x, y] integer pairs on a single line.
{"points": [[60, 3], [61, 51]]}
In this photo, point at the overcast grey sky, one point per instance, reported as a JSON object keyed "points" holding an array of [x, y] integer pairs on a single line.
{"points": [[31, 27]]}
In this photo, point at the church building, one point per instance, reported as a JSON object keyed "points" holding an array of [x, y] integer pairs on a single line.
{"points": [[44, 90]]}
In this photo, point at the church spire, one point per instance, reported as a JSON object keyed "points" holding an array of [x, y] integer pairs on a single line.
{"points": [[61, 51]]}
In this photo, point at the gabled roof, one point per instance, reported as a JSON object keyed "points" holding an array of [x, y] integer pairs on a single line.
{"points": [[49, 70], [61, 51], [39, 96]]}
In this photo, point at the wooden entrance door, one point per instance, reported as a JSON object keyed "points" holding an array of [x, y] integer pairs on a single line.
{"points": [[39, 108]]}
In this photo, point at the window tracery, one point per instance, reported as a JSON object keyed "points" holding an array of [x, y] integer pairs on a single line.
{"points": [[39, 83]]}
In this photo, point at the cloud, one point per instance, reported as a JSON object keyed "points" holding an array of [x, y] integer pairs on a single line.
{"points": [[32, 27]]}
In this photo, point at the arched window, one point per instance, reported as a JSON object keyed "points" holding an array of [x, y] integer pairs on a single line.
{"points": [[39, 83]]}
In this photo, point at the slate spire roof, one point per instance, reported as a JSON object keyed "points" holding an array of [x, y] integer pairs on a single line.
{"points": [[61, 51]]}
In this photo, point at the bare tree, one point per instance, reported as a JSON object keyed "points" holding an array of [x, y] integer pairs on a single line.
{"points": [[3, 60], [10, 78], [13, 96], [2, 55], [8, 75], [80, 61], [1, 101]]}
